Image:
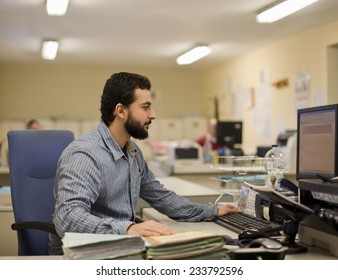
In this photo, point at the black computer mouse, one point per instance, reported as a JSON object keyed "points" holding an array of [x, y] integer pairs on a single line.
{"points": [[251, 234], [266, 243]]}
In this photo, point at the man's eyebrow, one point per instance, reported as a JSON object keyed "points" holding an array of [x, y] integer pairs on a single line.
{"points": [[146, 103]]}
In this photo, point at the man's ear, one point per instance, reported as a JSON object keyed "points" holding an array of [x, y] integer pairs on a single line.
{"points": [[120, 110]]}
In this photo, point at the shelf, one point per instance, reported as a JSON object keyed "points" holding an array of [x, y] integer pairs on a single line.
{"points": [[239, 165]]}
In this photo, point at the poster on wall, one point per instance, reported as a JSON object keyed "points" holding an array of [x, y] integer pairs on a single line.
{"points": [[319, 98], [262, 113], [262, 108], [237, 103], [302, 90], [249, 99]]}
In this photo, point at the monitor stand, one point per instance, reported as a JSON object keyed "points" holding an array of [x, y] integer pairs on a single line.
{"points": [[290, 231]]}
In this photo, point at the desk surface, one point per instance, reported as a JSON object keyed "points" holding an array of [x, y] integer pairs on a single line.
{"points": [[4, 170], [186, 188], [313, 253]]}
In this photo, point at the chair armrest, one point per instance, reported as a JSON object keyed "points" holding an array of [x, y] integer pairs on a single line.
{"points": [[43, 226]]}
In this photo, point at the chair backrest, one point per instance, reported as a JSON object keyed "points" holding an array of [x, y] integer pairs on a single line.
{"points": [[33, 157]]}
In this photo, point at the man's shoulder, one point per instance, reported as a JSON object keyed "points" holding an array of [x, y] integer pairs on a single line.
{"points": [[86, 142]]}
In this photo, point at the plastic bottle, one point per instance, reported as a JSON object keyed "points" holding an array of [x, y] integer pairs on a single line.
{"points": [[275, 164], [207, 150]]}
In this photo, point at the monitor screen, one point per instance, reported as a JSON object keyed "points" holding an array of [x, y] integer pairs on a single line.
{"points": [[229, 133], [317, 142]]}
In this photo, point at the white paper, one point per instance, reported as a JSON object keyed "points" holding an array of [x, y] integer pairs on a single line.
{"points": [[74, 239]]}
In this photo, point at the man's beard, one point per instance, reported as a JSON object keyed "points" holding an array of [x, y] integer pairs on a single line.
{"points": [[135, 128]]}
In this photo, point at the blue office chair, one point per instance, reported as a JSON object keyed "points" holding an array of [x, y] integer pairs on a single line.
{"points": [[33, 157]]}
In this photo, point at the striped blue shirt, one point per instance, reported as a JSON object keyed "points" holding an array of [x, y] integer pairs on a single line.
{"points": [[98, 184]]}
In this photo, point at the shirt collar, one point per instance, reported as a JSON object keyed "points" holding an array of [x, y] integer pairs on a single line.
{"points": [[131, 148], [112, 144]]}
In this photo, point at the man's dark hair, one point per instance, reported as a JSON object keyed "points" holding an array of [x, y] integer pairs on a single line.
{"points": [[120, 88]]}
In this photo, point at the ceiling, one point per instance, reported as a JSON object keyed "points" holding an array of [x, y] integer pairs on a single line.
{"points": [[146, 32]]}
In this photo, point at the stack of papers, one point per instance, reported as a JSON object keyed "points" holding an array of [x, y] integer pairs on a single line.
{"points": [[187, 245], [91, 246]]}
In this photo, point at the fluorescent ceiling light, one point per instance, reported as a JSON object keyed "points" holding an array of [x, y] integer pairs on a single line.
{"points": [[282, 9], [56, 7], [49, 49], [193, 55]]}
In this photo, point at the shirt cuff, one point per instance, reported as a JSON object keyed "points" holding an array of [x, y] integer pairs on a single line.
{"points": [[121, 227]]}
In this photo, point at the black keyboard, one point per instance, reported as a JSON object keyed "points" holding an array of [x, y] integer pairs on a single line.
{"points": [[238, 222]]}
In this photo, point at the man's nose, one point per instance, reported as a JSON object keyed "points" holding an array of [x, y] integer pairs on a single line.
{"points": [[152, 114]]}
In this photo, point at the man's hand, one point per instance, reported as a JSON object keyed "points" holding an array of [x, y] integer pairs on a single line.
{"points": [[226, 209], [149, 228]]}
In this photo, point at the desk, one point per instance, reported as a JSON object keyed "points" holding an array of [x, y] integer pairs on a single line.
{"points": [[313, 253], [8, 238], [4, 170], [4, 176], [181, 167], [150, 213]]}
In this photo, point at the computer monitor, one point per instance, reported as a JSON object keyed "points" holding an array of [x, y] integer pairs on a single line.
{"points": [[317, 143], [229, 133]]}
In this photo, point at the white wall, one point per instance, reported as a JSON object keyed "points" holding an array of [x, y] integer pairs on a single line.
{"points": [[50, 90], [306, 51]]}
